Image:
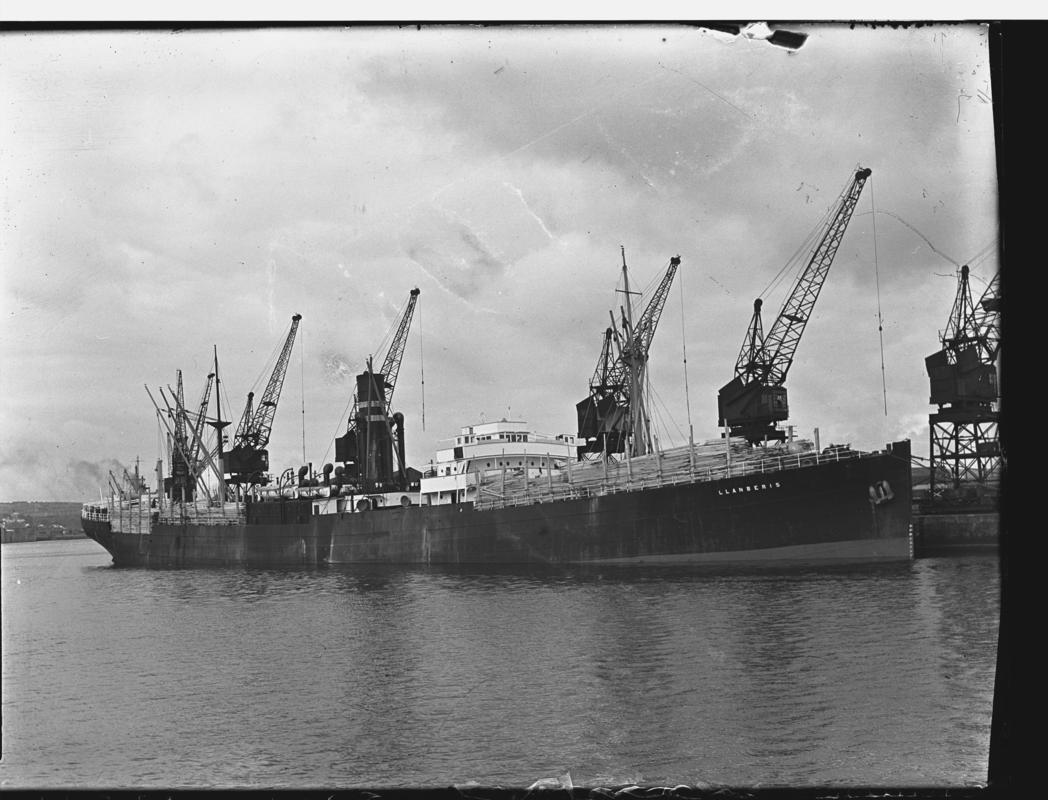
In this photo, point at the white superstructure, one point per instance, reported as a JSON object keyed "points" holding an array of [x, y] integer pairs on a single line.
{"points": [[492, 449]]}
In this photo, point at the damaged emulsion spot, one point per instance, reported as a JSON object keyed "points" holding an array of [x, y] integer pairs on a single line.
{"points": [[336, 368], [791, 40]]}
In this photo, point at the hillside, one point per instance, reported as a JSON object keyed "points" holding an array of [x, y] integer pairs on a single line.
{"points": [[44, 513]]}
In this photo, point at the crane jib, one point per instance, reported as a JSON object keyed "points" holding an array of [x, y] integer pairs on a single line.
{"points": [[755, 399], [257, 432], [780, 343]]}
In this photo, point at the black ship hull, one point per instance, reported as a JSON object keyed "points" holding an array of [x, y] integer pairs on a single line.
{"points": [[849, 510]]}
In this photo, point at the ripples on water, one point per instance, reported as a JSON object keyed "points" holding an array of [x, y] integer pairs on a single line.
{"points": [[417, 677]]}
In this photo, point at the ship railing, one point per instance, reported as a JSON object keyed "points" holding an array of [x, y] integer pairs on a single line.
{"points": [[539, 491], [95, 513], [138, 517]]}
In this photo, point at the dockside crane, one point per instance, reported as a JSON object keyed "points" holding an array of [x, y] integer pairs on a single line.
{"points": [[182, 483], [374, 435], [614, 418], [391, 363], [965, 448], [196, 444], [603, 415], [755, 400], [248, 460], [199, 458], [987, 320]]}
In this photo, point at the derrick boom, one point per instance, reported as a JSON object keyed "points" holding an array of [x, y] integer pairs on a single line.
{"points": [[755, 399]]}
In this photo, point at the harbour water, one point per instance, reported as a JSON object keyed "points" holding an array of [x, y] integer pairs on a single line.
{"points": [[113, 678]]}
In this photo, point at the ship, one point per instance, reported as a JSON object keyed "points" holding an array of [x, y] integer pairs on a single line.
{"points": [[502, 494], [711, 502]]}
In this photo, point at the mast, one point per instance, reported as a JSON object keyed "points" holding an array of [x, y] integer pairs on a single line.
{"points": [[639, 444]]}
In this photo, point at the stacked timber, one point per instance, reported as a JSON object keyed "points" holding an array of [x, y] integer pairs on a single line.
{"points": [[201, 512]]}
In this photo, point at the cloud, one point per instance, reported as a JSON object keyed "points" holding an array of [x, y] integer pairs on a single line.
{"points": [[166, 195]]}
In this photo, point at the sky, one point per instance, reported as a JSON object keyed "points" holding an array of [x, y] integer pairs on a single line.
{"points": [[168, 192]]}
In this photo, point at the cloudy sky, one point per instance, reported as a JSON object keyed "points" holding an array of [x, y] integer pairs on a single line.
{"points": [[165, 192]]}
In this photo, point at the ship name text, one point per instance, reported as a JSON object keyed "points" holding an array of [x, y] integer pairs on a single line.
{"points": [[753, 487]]}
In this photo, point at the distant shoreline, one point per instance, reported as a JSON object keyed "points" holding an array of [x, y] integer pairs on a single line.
{"points": [[14, 538], [44, 521]]}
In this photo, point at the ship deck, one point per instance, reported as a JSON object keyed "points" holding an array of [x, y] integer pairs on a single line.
{"points": [[706, 462]]}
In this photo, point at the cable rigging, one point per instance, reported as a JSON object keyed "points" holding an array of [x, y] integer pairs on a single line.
{"points": [[880, 317]]}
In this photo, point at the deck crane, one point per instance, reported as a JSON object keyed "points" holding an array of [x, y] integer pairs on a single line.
{"points": [[755, 399], [963, 377], [373, 435], [248, 460], [613, 418]]}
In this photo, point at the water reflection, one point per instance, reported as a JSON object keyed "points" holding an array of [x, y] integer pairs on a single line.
{"points": [[434, 676]]}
